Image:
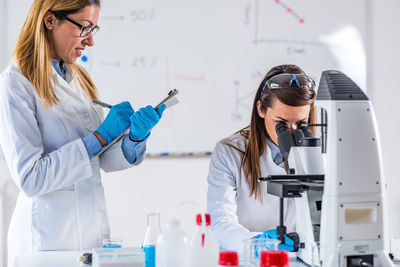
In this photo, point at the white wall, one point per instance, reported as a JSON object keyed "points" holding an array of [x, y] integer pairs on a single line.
{"points": [[3, 20], [384, 90], [155, 185]]}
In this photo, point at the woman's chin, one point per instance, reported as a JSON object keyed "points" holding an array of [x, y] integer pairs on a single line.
{"points": [[71, 60]]}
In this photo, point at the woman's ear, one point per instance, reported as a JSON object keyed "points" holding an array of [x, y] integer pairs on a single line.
{"points": [[259, 111], [49, 20]]}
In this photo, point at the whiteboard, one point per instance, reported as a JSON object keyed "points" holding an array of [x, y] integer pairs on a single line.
{"points": [[215, 52]]}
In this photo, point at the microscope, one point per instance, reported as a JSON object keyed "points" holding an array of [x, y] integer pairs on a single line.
{"points": [[304, 182], [339, 177]]}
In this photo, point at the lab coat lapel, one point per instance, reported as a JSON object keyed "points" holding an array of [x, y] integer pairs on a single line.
{"points": [[270, 168], [70, 90], [69, 87], [75, 102]]}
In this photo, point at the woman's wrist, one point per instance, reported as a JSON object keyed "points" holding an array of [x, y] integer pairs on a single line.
{"points": [[101, 139], [135, 140]]}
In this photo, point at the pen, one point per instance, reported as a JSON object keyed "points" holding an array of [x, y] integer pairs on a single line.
{"points": [[101, 103]]}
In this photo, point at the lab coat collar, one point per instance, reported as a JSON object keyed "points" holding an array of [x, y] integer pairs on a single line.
{"points": [[56, 66], [70, 86], [276, 154], [68, 76]]}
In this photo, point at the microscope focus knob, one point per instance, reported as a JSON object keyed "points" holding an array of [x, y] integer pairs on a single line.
{"points": [[295, 237]]}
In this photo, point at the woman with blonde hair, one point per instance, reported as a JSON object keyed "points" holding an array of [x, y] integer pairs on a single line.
{"points": [[50, 132], [240, 206]]}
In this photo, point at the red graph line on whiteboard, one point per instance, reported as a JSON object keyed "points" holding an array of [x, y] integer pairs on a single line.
{"points": [[180, 76], [290, 10]]}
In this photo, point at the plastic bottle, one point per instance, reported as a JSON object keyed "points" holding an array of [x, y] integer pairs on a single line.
{"points": [[153, 230], [204, 247], [228, 258], [278, 258], [172, 247]]}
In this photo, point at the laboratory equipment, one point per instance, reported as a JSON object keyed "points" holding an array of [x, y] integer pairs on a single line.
{"points": [[354, 211], [333, 259], [170, 99], [172, 249], [204, 247], [353, 224], [86, 258], [112, 243], [288, 244], [253, 247], [153, 230], [306, 170], [228, 258], [118, 257]]}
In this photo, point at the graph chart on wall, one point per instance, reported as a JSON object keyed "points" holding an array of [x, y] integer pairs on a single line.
{"points": [[216, 52]]}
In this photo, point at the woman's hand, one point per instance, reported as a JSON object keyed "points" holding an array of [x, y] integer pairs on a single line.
{"points": [[116, 122], [272, 234], [143, 121]]}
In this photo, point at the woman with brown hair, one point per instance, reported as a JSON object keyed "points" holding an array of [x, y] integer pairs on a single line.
{"points": [[50, 132], [239, 205]]}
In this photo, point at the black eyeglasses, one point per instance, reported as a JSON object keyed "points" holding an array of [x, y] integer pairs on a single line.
{"points": [[287, 80], [85, 30]]}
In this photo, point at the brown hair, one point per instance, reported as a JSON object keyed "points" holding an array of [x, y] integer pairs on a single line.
{"points": [[32, 52], [256, 132]]}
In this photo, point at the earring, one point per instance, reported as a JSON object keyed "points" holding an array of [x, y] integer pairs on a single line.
{"points": [[50, 28]]}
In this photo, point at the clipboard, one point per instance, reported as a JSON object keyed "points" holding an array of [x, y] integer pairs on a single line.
{"points": [[170, 97]]}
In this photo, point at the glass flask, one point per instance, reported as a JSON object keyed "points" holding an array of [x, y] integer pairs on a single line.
{"points": [[153, 230]]}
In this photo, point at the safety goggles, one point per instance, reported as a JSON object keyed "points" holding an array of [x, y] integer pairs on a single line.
{"points": [[287, 80]]}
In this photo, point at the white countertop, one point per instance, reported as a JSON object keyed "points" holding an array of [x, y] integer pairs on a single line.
{"points": [[69, 259]]}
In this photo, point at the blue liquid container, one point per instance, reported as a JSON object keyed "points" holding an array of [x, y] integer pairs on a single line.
{"points": [[150, 256], [153, 230]]}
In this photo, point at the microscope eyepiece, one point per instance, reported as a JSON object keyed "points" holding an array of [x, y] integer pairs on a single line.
{"points": [[305, 129], [302, 136], [281, 127], [285, 138]]}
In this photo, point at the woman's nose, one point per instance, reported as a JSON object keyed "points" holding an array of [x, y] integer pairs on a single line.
{"points": [[89, 41], [292, 126]]}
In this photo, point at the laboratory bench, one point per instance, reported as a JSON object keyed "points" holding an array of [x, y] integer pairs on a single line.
{"points": [[69, 259]]}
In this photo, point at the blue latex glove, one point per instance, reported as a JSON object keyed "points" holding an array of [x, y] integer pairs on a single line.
{"points": [[143, 120], [288, 246], [116, 122]]}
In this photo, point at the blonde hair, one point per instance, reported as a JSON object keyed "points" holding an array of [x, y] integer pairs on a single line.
{"points": [[33, 50]]}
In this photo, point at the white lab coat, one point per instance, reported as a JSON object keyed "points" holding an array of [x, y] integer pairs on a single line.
{"points": [[61, 205], [235, 215]]}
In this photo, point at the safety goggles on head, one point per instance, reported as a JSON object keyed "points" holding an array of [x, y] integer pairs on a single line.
{"points": [[287, 80]]}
